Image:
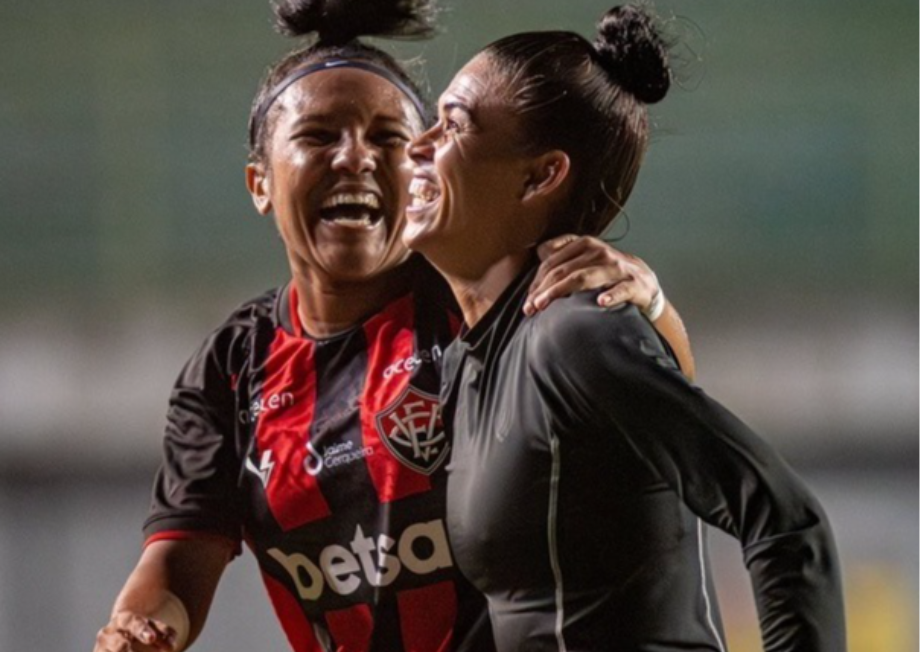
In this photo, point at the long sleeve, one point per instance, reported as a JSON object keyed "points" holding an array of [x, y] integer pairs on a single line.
{"points": [[617, 376]]}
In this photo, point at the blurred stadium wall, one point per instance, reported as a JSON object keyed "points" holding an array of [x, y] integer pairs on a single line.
{"points": [[778, 206]]}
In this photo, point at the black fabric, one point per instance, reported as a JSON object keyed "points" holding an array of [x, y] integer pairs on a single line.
{"points": [[583, 463]]}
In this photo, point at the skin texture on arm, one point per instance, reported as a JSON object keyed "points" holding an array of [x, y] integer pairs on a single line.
{"points": [[187, 569], [670, 326], [572, 263]]}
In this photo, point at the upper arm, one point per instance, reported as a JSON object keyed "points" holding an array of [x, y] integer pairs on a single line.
{"points": [[615, 374], [618, 380], [671, 327], [196, 485]]}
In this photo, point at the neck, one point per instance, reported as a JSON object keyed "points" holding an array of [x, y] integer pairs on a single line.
{"points": [[326, 308], [477, 293]]}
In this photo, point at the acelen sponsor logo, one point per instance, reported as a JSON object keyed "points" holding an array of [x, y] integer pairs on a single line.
{"points": [[417, 359], [376, 561], [266, 404]]}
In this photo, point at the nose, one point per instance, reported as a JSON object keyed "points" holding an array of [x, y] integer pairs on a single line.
{"points": [[354, 156], [421, 149]]}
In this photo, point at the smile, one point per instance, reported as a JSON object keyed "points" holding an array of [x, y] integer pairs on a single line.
{"points": [[423, 192], [352, 209]]}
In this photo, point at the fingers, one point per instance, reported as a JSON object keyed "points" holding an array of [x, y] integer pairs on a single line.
{"points": [[562, 255], [619, 294], [556, 252], [129, 632], [558, 286], [573, 264]]}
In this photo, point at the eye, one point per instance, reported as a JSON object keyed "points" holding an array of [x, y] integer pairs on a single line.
{"points": [[390, 139], [455, 121], [316, 137]]}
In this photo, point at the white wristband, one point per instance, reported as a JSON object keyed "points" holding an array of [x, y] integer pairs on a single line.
{"points": [[172, 612], [656, 307]]}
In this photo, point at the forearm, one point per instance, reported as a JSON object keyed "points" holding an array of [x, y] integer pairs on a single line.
{"points": [[174, 582], [797, 585], [670, 326]]}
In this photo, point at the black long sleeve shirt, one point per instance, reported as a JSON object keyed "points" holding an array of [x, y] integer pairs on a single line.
{"points": [[584, 463]]}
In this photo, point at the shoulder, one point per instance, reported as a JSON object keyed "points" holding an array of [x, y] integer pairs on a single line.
{"points": [[576, 333], [264, 306], [578, 320], [225, 346], [264, 309]]}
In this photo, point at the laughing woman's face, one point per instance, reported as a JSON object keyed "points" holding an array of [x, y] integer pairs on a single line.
{"points": [[470, 175], [337, 173]]}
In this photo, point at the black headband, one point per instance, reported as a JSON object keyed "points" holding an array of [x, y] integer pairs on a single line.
{"points": [[330, 64]]}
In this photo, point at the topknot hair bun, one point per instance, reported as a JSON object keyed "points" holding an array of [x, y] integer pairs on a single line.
{"points": [[337, 22], [632, 52]]}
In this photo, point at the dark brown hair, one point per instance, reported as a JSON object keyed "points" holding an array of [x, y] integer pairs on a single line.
{"points": [[588, 100]]}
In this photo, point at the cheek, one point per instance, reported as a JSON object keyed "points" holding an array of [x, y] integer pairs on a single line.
{"points": [[400, 174], [302, 176]]}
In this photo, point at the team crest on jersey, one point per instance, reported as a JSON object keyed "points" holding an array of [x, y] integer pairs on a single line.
{"points": [[412, 430]]}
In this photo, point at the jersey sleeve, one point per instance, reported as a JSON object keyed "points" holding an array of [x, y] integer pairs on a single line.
{"points": [[195, 489], [608, 369]]}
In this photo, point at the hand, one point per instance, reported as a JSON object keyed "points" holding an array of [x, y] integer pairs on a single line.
{"points": [[574, 263], [130, 632]]}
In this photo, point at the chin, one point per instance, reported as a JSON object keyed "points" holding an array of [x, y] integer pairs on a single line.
{"points": [[352, 267], [412, 235], [420, 235]]}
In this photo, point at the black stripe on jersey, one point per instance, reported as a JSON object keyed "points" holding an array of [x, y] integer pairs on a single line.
{"points": [[388, 635], [336, 435]]}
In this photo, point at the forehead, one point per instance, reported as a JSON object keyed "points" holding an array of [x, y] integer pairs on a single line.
{"points": [[479, 82], [346, 94]]}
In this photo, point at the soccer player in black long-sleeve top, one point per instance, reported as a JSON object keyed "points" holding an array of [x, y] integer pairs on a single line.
{"points": [[584, 463], [583, 466]]}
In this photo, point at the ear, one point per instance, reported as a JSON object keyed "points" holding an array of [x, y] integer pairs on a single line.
{"points": [[546, 175], [257, 182]]}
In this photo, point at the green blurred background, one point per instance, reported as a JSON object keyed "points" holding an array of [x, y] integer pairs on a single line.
{"points": [[777, 205]]}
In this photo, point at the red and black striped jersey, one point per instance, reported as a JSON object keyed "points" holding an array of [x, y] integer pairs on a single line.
{"points": [[327, 457]]}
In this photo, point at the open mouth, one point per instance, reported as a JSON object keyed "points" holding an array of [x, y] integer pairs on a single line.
{"points": [[352, 209], [423, 192]]}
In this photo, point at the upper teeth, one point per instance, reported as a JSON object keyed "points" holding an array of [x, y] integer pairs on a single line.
{"points": [[423, 189], [354, 198]]}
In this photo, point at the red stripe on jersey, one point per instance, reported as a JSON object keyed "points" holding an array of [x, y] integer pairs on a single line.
{"points": [[297, 628], [454, 323], [194, 535], [390, 348], [285, 413], [351, 628], [427, 617]]}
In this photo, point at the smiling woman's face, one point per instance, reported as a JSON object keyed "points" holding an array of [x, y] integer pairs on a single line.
{"points": [[337, 173], [470, 174]]}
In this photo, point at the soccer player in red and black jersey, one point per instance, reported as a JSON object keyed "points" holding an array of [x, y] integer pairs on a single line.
{"points": [[307, 425]]}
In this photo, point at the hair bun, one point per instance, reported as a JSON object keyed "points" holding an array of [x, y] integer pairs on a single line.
{"points": [[633, 53], [340, 21]]}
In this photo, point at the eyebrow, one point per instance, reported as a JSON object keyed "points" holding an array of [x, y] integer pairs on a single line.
{"points": [[307, 118], [330, 119], [457, 104]]}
